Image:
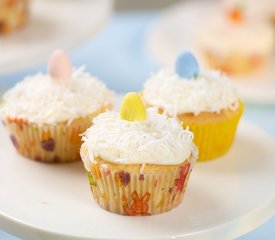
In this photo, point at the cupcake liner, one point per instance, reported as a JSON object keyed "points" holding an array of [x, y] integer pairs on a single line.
{"points": [[123, 190], [214, 139], [47, 143]]}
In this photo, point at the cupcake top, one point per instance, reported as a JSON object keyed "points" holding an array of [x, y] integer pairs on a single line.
{"points": [[235, 31], [187, 89], [256, 8], [62, 95], [146, 138]]}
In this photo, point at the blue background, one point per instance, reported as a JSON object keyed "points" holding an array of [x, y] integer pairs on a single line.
{"points": [[119, 57]]}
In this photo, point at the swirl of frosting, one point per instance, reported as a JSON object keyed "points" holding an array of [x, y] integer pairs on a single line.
{"points": [[210, 91], [41, 100], [157, 140]]}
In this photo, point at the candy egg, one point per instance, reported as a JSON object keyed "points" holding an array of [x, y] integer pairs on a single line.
{"points": [[187, 65], [60, 66], [132, 108], [236, 15]]}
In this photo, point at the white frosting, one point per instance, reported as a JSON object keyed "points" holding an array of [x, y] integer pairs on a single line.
{"points": [[249, 37], [157, 140], [209, 92], [40, 99]]}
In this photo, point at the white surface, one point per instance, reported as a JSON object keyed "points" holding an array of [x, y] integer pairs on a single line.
{"points": [[175, 30], [53, 24], [225, 198]]}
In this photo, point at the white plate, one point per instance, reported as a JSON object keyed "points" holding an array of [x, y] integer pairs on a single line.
{"points": [[225, 198], [53, 24], [176, 29]]}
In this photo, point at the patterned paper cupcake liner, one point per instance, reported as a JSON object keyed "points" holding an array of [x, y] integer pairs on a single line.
{"points": [[47, 143], [125, 190], [214, 139]]}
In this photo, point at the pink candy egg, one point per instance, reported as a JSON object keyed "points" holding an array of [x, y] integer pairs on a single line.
{"points": [[60, 66]]}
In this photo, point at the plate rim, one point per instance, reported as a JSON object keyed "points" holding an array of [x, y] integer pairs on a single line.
{"points": [[40, 57]]}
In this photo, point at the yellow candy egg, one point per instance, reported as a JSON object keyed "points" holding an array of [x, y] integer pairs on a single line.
{"points": [[132, 108]]}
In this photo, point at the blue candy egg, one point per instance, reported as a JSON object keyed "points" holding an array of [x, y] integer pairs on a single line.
{"points": [[187, 65]]}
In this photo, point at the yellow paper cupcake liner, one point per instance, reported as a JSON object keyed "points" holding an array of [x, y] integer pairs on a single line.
{"points": [[47, 143], [214, 139], [134, 193]]}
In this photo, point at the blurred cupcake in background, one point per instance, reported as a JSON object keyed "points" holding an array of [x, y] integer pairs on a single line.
{"points": [[46, 113], [138, 161], [235, 42], [13, 15], [205, 101]]}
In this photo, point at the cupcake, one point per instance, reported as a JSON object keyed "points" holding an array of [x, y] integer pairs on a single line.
{"points": [[203, 100], [46, 113], [138, 161], [13, 15], [236, 43]]}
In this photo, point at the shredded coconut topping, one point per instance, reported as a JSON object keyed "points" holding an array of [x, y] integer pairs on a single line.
{"points": [[40, 99], [157, 140], [208, 92]]}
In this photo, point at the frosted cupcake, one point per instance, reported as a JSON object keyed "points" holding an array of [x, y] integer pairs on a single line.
{"points": [[46, 113], [236, 43], [139, 161], [13, 15], [204, 100]]}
